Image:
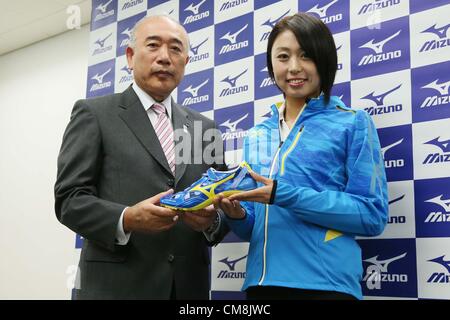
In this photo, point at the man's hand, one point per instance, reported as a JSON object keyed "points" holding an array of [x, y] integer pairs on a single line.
{"points": [[199, 220], [261, 194], [147, 216]]}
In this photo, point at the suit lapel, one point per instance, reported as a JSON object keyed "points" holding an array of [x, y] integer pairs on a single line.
{"points": [[137, 120], [181, 121]]}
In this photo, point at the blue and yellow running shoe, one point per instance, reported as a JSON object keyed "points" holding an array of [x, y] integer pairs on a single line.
{"points": [[202, 192]]}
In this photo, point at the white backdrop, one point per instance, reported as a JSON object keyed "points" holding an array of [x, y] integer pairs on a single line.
{"points": [[38, 86]]}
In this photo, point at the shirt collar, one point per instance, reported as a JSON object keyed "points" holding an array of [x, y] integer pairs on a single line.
{"points": [[281, 112], [147, 101]]}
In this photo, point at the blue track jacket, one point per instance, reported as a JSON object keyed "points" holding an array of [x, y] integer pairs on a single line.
{"points": [[331, 187]]}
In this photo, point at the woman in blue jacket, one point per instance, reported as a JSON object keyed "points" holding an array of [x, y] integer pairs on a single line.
{"points": [[320, 174]]}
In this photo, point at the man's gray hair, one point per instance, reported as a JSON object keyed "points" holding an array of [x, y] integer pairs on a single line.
{"points": [[132, 43]]}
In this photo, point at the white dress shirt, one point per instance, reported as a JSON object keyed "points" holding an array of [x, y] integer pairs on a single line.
{"points": [[147, 101], [284, 128]]}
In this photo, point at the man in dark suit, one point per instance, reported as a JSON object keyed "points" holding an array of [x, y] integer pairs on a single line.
{"points": [[114, 165]]}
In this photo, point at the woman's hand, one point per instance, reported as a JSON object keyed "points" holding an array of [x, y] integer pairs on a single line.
{"points": [[232, 209], [261, 194]]}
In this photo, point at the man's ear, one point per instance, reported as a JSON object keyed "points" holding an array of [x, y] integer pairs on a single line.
{"points": [[130, 52], [187, 60]]}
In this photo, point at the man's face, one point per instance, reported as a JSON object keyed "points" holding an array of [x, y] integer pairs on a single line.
{"points": [[159, 56]]}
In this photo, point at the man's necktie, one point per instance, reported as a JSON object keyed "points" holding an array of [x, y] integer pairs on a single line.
{"points": [[164, 131]]}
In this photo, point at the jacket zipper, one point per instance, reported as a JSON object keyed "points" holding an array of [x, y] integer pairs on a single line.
{"points": [[266, 218], [291, 147]]}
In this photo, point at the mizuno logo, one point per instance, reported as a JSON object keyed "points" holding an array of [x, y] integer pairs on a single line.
{"points": [[194, 91], [127, 32], [442, 88], [231, 4], [377, 5], [322, 12], [126, 69], [271, 23], [440, 260], [131, 3], [377, 272], [437, 100], [378, 46], [385, 149], [443, 203], [232, 37], [383, 264], [102, 7], [440, 32], [101, 42], [434, 44], [438, 157], [232, 126], [231, 264], [443, 145], [194, 49], [267, 81], [194, 9], [379, 99], [99, 78], [232, 81], [234, 89], [396, 199]]}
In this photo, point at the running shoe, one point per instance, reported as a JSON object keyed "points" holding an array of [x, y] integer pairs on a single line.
{"points": [[202, 192]]}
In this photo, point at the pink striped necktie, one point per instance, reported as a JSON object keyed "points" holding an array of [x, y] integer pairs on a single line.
{"points": [[164, 131]]}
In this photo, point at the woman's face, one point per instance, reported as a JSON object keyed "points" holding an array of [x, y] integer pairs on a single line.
{"points": [[295, 74]]}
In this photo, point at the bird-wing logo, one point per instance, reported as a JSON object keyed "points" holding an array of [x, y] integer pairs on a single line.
{"points": [[271, 23], [322, 11], [193, 91], [194, 8], [102, 7], [386, 148], [194, 49], [232, 81], [443, 145], [101, 42], [99, 78], [444, 203], [382, 265], [440, 32], [378, 46], [231, 264], [440, 260], [396, 199], [232, 126], [442, 88], [232, 37], [379, 99]]}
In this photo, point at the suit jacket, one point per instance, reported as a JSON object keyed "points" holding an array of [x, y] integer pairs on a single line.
{"points": [[111, 158]]}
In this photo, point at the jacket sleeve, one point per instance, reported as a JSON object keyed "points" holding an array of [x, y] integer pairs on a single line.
{"points": [[77, 204], [243, 227], [362, 208]]}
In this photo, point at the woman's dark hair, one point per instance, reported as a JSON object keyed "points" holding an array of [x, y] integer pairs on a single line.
{"points": [[316, 41]]}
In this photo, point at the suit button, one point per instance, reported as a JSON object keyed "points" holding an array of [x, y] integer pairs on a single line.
{"points": [[171, 257], [170, 183]]}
